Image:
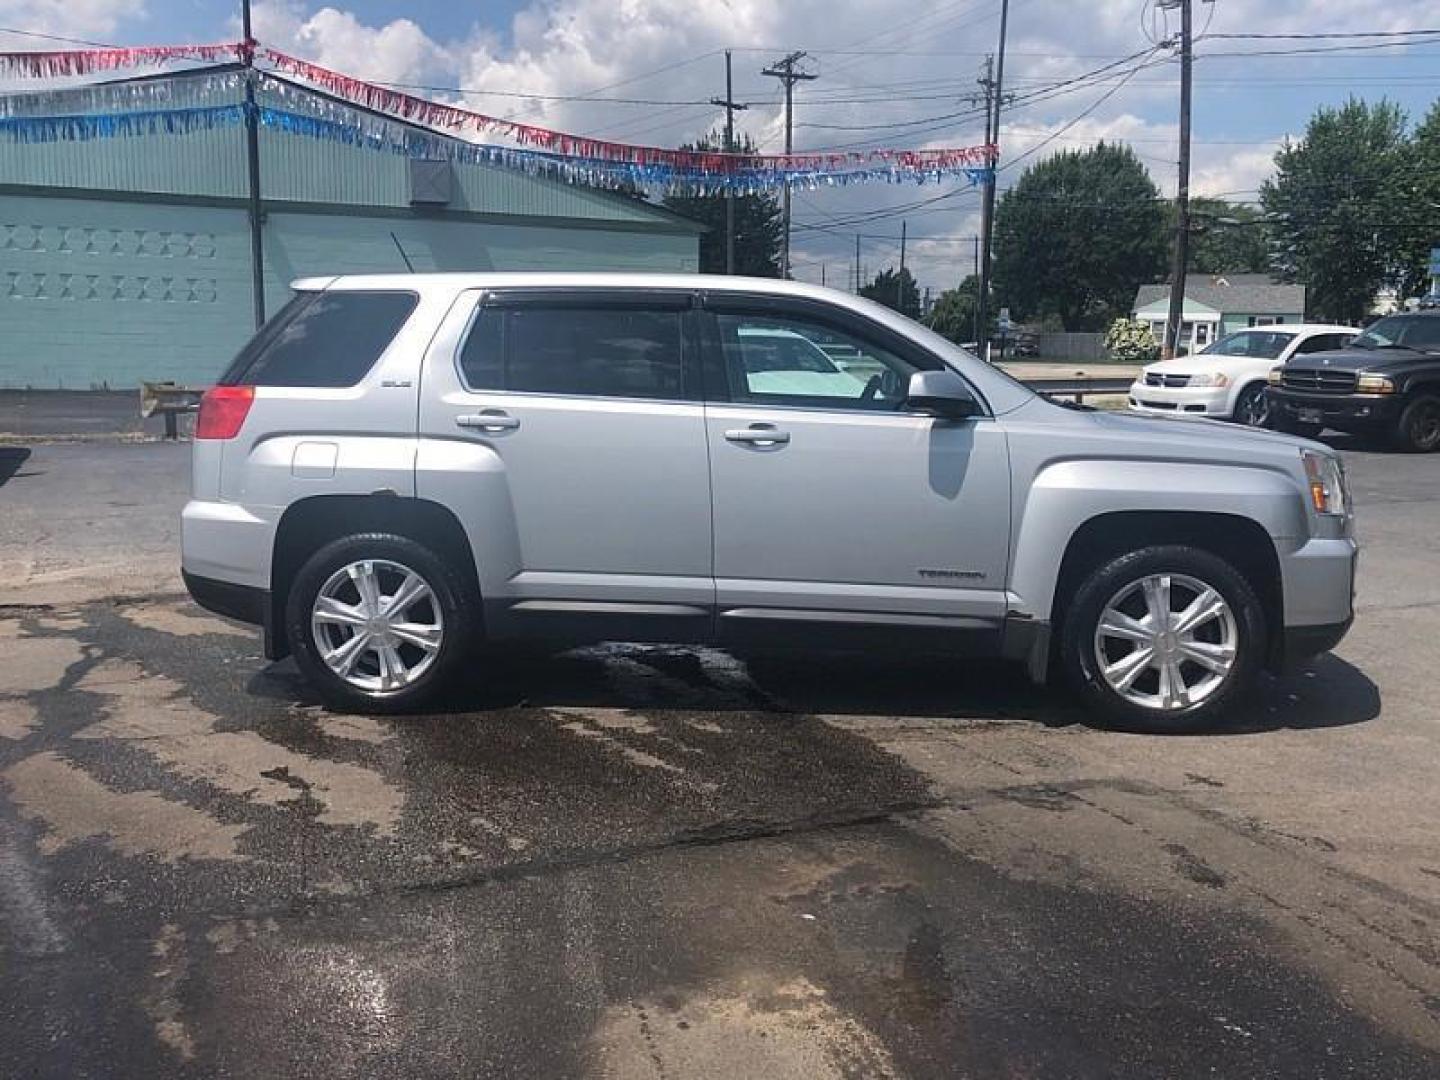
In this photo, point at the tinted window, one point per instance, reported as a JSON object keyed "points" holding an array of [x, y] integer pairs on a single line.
{"points": [[793, 361], [1412, 331], [322, 339], [596, 352], [1325, 343]]}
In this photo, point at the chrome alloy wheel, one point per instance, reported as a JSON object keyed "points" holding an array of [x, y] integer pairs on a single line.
{"points": [[1166, 642], [377, 625]]}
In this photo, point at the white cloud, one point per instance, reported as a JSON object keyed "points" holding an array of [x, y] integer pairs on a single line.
{"points": [[399, 51], [91, 20]]}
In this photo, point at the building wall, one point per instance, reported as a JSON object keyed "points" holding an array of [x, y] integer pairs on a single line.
{"points": [[1233, 320], [106, 293]]}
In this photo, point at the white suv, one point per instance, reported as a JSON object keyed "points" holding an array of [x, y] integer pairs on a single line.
{"points": [[398, 467], [1227, 380]]}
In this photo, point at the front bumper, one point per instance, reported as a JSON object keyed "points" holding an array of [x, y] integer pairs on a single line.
{"points": [[1180, 400], [1341, 411]]}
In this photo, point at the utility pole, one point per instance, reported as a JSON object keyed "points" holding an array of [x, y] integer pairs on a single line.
{"points": [[857, 264], [730, 106], [900, 278], [785, 71], [976, 240], [252, 165], [995, 99], [1175, 321]]}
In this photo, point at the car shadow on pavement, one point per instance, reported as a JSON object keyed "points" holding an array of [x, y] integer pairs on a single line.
{"points": [[12, 458], [1328, 692]]}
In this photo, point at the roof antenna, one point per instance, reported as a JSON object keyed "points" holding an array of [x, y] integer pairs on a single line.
{"points": [[402, 252]]}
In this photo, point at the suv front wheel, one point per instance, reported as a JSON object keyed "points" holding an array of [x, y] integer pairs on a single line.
{"points": [[378, 623], [1419, 428], [1163, 639]]}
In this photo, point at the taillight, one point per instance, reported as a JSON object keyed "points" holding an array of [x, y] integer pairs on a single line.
{"points": [[222, 411]]}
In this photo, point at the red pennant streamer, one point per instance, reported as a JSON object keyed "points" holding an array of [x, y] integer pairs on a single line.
{"points": [[44, 65], [436, 115]]}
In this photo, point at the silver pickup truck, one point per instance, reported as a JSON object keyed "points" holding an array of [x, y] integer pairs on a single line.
{"points": [[399, 467]]}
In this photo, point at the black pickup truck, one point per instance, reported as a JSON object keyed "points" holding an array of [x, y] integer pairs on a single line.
{"points": [[1384, 384]]}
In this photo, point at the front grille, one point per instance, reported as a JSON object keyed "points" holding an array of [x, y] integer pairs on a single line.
{"points": [[1318, 380], [1156, 379]]}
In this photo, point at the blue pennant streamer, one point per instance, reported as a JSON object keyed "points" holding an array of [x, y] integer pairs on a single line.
{"points": [[83, 128], [333, 123]]}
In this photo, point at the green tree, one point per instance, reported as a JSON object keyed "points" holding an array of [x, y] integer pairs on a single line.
{"points": [[896, 290], [759, 226], [1340, 208], [1227, 238], [953, 315], [1076, 235], [1421, 215]]}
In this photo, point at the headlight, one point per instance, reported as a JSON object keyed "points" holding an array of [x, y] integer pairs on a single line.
{"points": [[1210, 378], [1375, 384], [1275, 376], [1326, 477]]}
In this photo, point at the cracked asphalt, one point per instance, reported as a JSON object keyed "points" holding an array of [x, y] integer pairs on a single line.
{"points": [[631, 861]]}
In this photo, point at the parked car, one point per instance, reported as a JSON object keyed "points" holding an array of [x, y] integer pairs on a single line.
{"points": [[398, 467], [1385, 384], [1227, 379]]}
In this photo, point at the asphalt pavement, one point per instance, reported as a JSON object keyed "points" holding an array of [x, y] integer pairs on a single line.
{"points": [[632, 861]]}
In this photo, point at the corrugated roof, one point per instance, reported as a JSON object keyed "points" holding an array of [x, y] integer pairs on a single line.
{"points": [[211, 164], [1253, 294]]}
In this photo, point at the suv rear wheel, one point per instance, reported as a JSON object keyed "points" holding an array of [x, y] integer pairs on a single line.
{"points": [[378, 623], [1163, 639], [1419, 428]]}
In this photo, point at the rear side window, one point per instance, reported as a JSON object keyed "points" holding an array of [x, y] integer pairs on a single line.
{"points": [[327, 339], [596, 352]]}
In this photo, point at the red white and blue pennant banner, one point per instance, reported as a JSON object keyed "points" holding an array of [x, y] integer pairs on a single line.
{"points": [[381, 118], [50, 65]]}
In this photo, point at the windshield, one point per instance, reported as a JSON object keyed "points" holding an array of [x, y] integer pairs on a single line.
{"points": [[1412, 331], [1261, 344]]}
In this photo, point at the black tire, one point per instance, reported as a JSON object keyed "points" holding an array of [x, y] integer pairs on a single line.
{"points": [[1252, 407], [1077, 649], [458, 609], [1418, 429], [1281, 422]]}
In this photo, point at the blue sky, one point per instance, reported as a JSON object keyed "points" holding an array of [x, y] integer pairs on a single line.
{"points": [[876, 72]]}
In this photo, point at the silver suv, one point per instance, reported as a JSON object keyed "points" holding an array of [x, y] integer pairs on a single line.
{"points": [[397, 468]]}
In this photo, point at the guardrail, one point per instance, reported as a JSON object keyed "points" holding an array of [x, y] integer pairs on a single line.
{"points": [[1077, 387], [169, 400]]}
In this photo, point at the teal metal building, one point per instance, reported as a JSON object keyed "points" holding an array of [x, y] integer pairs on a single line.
{"points": [[127, 259]]}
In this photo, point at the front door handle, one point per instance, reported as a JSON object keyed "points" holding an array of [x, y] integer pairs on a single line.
{"points": [[758, 435], [489, 420]]}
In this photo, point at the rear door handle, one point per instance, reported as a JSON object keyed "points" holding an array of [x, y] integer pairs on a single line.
{"points": [[489, 420], [758, 435]]}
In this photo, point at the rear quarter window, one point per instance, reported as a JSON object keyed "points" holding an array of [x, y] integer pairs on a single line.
{"points": [[325, 339]]}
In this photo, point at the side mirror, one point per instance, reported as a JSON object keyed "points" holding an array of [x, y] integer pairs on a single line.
{"points": [[941, 394]]}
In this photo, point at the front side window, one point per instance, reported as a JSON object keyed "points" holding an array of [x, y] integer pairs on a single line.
{"points": [[793, 361], [327, 339], [1320, 343], [590, 351], [1259, 344]]}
